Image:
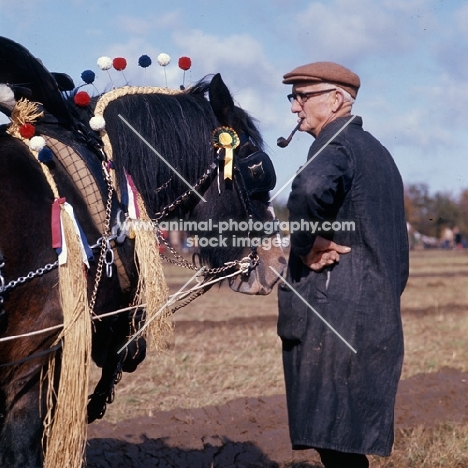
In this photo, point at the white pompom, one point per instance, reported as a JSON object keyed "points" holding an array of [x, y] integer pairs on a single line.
{"points": [[36, 143], [7, 97], [97, 123], [164, 59], [104, 63]]}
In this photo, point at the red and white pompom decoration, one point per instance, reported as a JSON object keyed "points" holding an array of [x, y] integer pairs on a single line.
{"points": [[104, 63], [119, 63], [27, 131], [82, 99], [36, 143], [184, 64], [97, 123], [164, 60]]}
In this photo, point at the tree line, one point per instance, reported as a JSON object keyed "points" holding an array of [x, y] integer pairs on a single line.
{"points": [[430, 214]]}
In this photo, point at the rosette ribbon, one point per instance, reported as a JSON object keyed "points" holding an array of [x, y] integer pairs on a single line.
{"points": [[226, 137]]}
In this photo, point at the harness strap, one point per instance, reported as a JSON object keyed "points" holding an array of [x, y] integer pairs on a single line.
{"points": [[33, 356]]}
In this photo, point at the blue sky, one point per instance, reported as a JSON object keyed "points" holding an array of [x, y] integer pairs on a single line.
{"points": [[411, 56]]}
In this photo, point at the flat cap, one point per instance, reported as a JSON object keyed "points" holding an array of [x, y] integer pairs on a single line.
{"points": [[327, 72]]}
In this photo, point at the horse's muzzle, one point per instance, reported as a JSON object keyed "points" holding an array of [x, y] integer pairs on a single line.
{"points": [[262, 278]]}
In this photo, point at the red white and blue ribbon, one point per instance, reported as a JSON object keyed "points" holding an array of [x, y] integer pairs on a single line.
{"points": [[58, 237], [132, 192]]}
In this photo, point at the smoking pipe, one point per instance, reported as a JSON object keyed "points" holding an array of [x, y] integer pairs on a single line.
{"points": [[283, 142]]}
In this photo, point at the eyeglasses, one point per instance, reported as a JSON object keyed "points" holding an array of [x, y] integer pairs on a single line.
{"points": [[301, 98]]}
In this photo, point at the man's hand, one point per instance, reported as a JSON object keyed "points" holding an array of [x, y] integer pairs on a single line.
{"points": [[324, 252]]}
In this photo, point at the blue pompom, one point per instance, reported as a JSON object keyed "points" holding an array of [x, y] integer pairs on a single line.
{"points": [[45, 155], [144, 61], [88, 76]]}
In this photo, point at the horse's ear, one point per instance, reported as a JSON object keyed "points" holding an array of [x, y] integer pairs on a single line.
{"points": [[64, 81], [221, 101], [19, 66]]}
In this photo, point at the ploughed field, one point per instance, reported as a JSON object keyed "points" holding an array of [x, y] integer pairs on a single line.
{"points": [[216, 397]]}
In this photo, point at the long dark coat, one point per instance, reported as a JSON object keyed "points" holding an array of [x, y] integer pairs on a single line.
{"points": [[337, 398]]}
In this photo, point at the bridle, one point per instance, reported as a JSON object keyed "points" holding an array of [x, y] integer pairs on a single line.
{"points": [[253, 173]]}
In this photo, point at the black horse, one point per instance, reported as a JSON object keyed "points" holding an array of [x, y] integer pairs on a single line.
{"points": [[141, 129]]}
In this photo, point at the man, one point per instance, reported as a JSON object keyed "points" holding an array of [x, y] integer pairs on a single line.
{"points": [[340, 321]]}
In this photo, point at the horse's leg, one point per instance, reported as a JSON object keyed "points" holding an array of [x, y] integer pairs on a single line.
{"points": [[21, 421], [22, 405], [116, 362]]}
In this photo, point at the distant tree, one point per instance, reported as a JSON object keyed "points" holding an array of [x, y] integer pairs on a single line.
{"points": [[447, 211], [463, 206], [419, 209], [430, 214]]}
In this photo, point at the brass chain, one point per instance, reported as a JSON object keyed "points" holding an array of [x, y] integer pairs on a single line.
{"points": [[186, 195], [182, 262], [179, 260]]}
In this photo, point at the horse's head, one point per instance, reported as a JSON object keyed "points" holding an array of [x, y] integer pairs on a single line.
{"points": [[173, 159], [244, 225]]}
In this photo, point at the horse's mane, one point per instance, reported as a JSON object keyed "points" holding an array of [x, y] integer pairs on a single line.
{"points": [[179, 127]]}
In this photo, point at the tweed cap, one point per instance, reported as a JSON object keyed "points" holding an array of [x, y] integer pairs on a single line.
{"points": [[327, 72]]}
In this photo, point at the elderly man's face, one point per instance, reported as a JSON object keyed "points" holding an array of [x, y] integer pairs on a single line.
{"points": [[315, 110]]}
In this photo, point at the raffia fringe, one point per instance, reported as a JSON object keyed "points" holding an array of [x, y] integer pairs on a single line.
{"points": [[65, 425], [152, 287], [65, 422], [24, 112]]}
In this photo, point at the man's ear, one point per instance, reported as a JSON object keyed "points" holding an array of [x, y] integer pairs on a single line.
{"points": [[339, 101]]}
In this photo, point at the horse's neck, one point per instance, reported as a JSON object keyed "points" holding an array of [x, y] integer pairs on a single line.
{"points": [[85, 172]]}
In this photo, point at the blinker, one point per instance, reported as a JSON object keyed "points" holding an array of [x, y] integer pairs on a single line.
{"points": [[257, 172]]}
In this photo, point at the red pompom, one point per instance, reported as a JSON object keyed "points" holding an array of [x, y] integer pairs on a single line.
{"points": [[185, 63], [82, 99], [27, 130], [119, 63]]}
